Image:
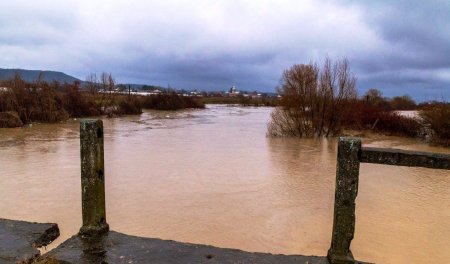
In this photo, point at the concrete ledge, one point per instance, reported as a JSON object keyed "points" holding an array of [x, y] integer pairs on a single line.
{"points": [[19, 240], [120, 248], [407, 158]]}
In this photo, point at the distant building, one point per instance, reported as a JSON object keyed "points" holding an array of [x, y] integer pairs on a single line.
{"points": [[154, 92], [233, 91], [255, 94]]}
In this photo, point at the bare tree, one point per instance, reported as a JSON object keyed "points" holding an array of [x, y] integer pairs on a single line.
{"points": [[314, 100], [104, 81], [107, 82], [111, 83], [92, 83]]}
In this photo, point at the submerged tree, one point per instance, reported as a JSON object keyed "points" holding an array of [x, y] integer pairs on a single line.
{"points": [[314, 100]]}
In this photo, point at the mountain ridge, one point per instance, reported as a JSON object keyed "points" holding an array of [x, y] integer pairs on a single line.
{"points": [[33, 75]]}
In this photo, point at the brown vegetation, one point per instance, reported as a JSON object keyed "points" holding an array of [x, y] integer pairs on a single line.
{"points": [[262, 101], [314, 101], [170, 101], [130, 105], [437, 117], [54, 102], [33, 101], [373, 113], [78, 104], [46, 102], [404, 102], [374, 98], [323, 101], [10, 119]]}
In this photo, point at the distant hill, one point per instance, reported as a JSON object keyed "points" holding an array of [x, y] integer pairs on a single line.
{"points": [[32, 75]]}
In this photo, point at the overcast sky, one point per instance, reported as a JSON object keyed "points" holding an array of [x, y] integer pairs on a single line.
{"points": [[399, 47]]}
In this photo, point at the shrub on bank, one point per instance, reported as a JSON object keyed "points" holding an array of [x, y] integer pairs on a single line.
{"points": [[437, 117], [45, 102], [393, 123], [263, 101], [130, 105], [78, 104], [10, 119], [54, 102], [38, 101], [366, 116], [46, 105], [170, 101]]}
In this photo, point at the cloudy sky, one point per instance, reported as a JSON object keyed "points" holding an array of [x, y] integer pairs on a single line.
{"points": [[399, 47]]}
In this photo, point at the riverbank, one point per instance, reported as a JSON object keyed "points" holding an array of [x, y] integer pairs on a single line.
{"points": [[430, 123], [24, 103]]}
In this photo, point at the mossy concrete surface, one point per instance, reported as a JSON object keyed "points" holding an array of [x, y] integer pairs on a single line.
{"points": [[115, 247], [347, 176], [408, 158], [19, 240], [92, 178]]}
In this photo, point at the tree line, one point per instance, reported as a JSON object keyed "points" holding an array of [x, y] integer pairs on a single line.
{"points": [[322, 100], [41, 101]]}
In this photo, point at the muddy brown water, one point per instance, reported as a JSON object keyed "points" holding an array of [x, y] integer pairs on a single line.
{"points": [[213, 177]]}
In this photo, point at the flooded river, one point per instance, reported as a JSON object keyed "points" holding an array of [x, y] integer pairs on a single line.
{"points": [[213, 177]]}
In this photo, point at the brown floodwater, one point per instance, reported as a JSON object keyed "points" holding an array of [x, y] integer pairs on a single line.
{"points": [[213, 177]]}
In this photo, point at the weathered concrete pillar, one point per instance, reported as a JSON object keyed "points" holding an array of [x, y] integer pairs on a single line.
{"points": [[347, 174], [92, 178]]}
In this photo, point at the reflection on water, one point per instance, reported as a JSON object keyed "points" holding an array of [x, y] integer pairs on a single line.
{"points": [[212, 176]]}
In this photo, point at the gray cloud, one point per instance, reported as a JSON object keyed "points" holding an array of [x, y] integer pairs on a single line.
{"points": [[398, 47], [415, 58]]}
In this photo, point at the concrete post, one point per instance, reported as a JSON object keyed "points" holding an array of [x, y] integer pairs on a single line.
{"points": [[92, 178], [347, 175]]}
